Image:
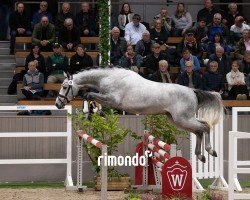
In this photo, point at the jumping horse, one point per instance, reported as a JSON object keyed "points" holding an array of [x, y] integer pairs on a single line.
{"points": [[126, 90]]}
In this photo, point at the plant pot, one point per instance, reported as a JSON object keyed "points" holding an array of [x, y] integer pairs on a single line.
{"points": [[114, 183]]}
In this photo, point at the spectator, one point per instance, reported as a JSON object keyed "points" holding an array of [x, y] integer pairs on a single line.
{"points": [[218, 27], [44, 34], [189, 41], [232, 14], [237, 28], [182, 20], [85, 21], [19, 24], [223, 61], [237, 88], [165, 19], [69, 35], [33, 82], [131, 60], [134, 30], [42, 12], [81, 60], [200, 32], [36, 56], [158, 32], [207, 12], [245, 67], [213, 80], [144, 46], [151, 62], [118, 46], [243, 44], [186, 57], [189, 77], [218, 41], [162, 75], [5, 6], [60, 17], [125, 17], [56, 65]]}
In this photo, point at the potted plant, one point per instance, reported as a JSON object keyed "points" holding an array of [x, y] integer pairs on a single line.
{"points": [[162, 128], [107, 130]]}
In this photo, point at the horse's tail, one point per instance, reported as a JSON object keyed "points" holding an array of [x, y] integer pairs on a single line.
{"points": [[210, 106]]}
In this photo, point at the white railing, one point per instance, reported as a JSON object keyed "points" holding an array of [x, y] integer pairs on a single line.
{"points": [[213, 168], [67, 134], [236, 167]]}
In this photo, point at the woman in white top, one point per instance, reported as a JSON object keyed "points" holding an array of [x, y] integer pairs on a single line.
{"points": [[237, 88], [182, 20], [124, 17]]}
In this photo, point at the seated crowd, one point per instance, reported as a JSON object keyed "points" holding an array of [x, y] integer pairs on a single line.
{"points": [[204, 54]]}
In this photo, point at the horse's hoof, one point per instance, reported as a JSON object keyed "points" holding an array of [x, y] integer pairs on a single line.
{"points": [[214, 154], [202, 158]]}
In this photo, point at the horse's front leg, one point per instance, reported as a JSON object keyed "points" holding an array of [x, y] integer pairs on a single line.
{"points": [[100, 98]]}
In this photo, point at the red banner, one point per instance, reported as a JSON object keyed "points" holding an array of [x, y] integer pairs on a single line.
{"points": [[177, 178]]}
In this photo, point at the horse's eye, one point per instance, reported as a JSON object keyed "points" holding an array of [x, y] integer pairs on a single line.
{"points": [[64, 87]]}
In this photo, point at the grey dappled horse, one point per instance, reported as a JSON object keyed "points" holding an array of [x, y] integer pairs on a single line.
{"points": [[126, 90]]}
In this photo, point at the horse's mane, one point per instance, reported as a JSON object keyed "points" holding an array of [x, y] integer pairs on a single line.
{"points": [[96, 67]]}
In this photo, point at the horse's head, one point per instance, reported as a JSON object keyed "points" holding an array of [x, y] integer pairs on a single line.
{"points": [[67, 92]]}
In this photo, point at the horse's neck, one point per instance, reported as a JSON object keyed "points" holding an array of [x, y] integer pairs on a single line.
{"points": [[90, 77]]}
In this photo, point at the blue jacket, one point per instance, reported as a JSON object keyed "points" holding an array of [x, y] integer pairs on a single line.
{"points": [[194, 59], [212, 81]]}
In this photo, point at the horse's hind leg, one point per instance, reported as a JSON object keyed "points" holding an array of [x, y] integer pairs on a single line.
{"points": [[195, 126], [208, 146]]}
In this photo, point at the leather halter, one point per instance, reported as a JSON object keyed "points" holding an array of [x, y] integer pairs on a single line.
{"points": [[70, 83]]}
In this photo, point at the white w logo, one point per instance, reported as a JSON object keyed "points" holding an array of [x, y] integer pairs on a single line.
{"points": [[177, 179]]}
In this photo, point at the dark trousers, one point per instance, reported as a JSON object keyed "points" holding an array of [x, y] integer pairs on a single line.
{"points": [[29, 95], [238, 89]]}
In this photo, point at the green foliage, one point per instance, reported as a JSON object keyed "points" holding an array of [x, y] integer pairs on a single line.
{"points": [[105, 129], [161, 128], [104, 45]]}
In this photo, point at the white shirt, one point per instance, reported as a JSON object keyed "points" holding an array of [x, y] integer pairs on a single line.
{"points": [[234, 77], [134, 33], [237, 29]]}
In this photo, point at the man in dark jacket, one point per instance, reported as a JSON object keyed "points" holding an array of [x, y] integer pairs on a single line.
{"points": [[162, 75], [223, 61], [151, 62], [69, 35], [85, 21], [207, 12], [60, 17], [189, 77], [213, 80], [118, 46], [44, 34], [81, 60], [19, 24], [5, 7]]}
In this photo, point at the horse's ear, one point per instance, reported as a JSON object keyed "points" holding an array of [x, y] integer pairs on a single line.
{"points": [[66, 74]]}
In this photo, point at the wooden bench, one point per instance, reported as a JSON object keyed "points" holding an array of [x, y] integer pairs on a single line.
{"points": [[28, 40], [75, 102], [21, 55], [46, 86], [78, 102], [24, 54], [174, 40]]}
